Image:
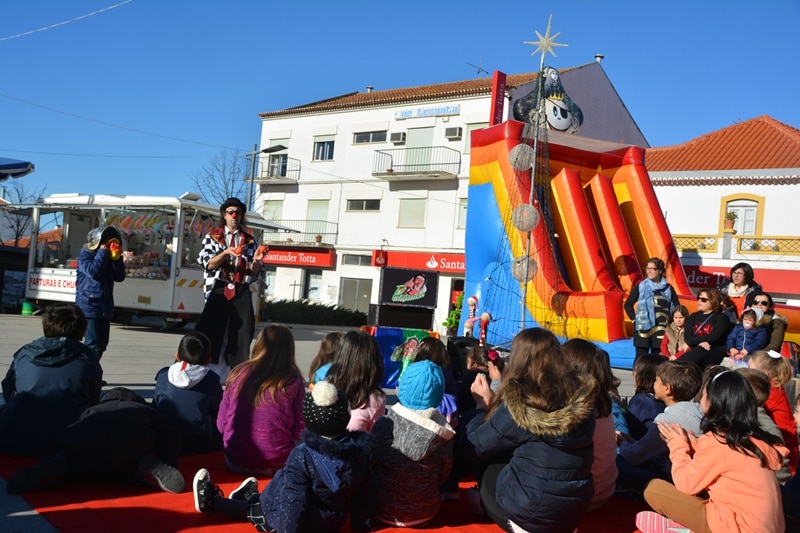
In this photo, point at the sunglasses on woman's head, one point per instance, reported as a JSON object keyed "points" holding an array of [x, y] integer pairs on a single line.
{"points": [[702, 299]]}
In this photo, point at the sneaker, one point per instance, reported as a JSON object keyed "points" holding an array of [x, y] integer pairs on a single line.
{"points": [[204, 491], [153, 472], [46, 473], [474, 500], [245, 491], [651, 522]]}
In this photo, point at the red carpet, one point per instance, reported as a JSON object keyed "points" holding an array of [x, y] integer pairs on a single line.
{"points": [[122, 508]]}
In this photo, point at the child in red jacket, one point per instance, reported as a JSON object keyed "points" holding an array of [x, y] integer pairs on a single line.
{"points": [[779, 370]]}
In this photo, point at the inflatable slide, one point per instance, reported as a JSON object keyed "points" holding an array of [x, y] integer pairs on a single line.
{"points": [[562, 251]]}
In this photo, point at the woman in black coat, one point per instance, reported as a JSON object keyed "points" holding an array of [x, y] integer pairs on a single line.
{"points": [[706, 330]]}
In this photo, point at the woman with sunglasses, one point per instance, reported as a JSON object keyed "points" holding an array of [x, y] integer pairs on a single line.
{"points": [[706, 330], [776, 324]]}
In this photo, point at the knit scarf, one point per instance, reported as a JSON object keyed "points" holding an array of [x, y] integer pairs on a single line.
{"points": [[733, 293], [645, 308]]}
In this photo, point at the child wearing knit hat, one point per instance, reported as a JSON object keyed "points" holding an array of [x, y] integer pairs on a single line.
{"points": [[324, 478], [413, 450]]}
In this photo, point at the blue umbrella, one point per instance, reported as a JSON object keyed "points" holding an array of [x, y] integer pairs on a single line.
{"points": [[14, 168]]}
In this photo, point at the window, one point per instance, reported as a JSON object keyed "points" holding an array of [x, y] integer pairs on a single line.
{"points": [[317, 217], [273, 210], [363, 205], [369, 137], [462, 214], [277, 165], [412, 213], [749, 209], [323, 147], [356, 260]]}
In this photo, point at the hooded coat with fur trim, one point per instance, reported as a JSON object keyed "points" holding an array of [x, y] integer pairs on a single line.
{"points": [[322, 482], [547, 484]]}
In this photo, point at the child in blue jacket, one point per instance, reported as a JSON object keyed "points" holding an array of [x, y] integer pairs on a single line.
{"points": [[188, 393], [324, 480], [746, 336]]}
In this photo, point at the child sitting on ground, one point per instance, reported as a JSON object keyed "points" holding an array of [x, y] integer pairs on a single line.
{"points": [[432, 349], [761, 386], [746, 336], [50, 382], [732, 465], [587, 358], [261, 416], [477, 363], [357, 371], [413, 450], [322, 362], [188, 394], [673, 344], [324, 478], [121, 439], [779, 370], [639, 461], [643, 406]]}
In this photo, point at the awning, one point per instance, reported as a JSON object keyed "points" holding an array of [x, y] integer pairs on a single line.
{"points": [[14, 168]]}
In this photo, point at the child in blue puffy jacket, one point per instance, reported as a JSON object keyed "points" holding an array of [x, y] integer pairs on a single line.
{"points": [[746, 336]]}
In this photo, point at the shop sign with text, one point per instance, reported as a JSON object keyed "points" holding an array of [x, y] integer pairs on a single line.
{"points": [[301, 258], [441, 262]]}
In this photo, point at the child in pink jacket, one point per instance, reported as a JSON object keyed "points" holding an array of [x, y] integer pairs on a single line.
{"points": [[733, 462], [261, 414]]}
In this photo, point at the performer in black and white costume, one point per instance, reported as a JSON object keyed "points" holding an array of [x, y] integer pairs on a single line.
{"points": [[231, 258]]}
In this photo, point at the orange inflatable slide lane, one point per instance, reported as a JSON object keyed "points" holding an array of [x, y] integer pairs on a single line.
{"points": [[617, 246], [645, 221], [577, 239]]}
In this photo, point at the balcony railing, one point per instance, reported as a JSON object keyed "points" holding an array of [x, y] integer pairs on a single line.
{"points": [[743, 244], [277, 168], [311, 232], [417, 163]]}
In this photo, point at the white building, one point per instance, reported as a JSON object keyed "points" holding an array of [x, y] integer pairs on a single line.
{"points": [[752, 169], [380, 179]]}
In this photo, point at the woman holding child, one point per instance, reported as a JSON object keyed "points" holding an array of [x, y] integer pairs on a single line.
{"points": [[541, 422]]}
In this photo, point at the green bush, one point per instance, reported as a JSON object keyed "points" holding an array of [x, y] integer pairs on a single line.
{"points": [[305, 312]]}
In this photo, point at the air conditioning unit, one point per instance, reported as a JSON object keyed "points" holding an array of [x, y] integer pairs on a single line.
{"points": [[398, 138], [452, 133]]}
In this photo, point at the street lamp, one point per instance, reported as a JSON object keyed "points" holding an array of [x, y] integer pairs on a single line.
{"points": [[253, 154]]}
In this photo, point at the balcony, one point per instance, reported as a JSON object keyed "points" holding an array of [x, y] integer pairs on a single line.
{"points": [[412, 164], [277, 168], [311, 233], [730, 245]]}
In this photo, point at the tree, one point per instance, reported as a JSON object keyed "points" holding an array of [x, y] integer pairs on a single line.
{"points": [[223, 177], [13, 225]]}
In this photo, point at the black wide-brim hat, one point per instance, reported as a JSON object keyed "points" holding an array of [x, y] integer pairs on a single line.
{"points": [[232, 202]]}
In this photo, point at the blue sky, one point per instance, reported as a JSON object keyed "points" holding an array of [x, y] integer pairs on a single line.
{"points": [[137, 98]]}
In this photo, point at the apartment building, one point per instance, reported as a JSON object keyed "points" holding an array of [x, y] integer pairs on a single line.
{"points": [[376, 181]]}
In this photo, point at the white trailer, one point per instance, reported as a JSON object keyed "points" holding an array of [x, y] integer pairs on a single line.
{"points": [[161, 240]]}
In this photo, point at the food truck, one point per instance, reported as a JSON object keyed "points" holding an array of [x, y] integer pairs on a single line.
{"points": [[161, 239]]}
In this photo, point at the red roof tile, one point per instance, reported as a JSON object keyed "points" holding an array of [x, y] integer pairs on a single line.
{"points": [[441, 91], [54, 235], [759, 143]]}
